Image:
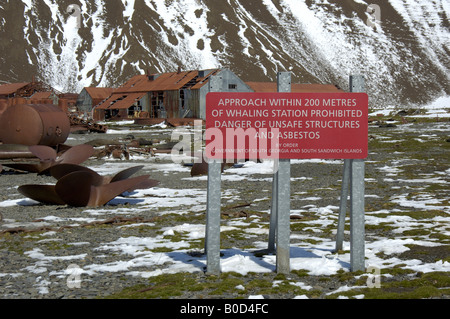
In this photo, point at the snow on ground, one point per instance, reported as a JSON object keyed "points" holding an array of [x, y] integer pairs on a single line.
{"points": [[439, 108], [318, 258]]}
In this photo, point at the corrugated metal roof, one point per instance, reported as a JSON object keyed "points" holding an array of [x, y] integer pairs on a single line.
{"points": [[121, 101], [99, 92], [41, 95], [166, 81], [296, 88], [106, 104], [139, 85], [203, 80], [12, 88]]}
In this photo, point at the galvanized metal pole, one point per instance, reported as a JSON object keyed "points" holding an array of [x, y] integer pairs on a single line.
{"points": [[343, 205], [283, 192], [213, 203], [357, 216], [273, 212], [357, 202]]}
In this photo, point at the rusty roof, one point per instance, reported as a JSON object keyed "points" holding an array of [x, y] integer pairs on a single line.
{"points": [[41, 95], [136, 87], [99, 92], [167, 81], [121, 100], [296, 88], [12, 88]]}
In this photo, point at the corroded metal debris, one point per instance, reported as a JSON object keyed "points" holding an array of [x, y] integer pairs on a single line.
{"points": [[48, 157], [79, 125], [59, 171], [89, 195], [92, 189], [38, 124], [14, 151], [122, 149], [201, 169]]}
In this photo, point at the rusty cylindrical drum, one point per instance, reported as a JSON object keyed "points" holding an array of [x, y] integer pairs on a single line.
{"points": [[3, 106], [39, 124]]}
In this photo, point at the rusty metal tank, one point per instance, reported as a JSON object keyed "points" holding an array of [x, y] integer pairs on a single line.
{"points": [[3, 106], [38, 124]]}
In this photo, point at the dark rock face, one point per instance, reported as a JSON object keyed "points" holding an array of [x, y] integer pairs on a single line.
{"points": [[404, 57]]}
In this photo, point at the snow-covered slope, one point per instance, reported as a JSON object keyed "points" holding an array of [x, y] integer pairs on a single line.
{"points": [[405, 57]]}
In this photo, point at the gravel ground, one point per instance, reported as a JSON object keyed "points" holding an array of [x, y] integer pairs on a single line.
{"points": [[23, 277]]}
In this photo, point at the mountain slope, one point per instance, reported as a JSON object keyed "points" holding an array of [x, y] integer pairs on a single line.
{"points": [[405, 57]]}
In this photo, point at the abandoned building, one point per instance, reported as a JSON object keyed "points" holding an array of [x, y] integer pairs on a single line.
{"points": [[23, 90], [167, 95], [92, 96], [175, 95], [34, 92], [44, 98], [180, 95], [295, 87]]}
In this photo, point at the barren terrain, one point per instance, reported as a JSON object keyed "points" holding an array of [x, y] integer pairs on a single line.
{"points": [[149, 243]]}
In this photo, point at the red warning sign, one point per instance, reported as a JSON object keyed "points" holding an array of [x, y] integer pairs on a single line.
{"points": [[287, 125]]}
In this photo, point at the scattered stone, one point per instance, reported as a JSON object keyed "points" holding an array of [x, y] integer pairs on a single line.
{"points": [[28, 260]]}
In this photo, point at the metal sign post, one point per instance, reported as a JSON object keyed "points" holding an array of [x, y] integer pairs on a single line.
{"points": [[281, 201], [353, 177], [213, 203], [249, 116]]}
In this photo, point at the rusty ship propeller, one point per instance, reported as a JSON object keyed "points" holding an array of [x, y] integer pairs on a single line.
{"points": [[48, 158], [92, 189], [88, 195], [44, 194], [61, 170]]}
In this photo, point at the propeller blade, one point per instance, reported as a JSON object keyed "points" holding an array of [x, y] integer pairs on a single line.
{"points": [[77, 154], [44, 194], [43, 152], [62, 148], [199, 169], [60, 170], [126, 173], [149, 183], [75, 188], [102, 195]]}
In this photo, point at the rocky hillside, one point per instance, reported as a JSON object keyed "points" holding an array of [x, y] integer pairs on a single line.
{"points": [[75, 43]]}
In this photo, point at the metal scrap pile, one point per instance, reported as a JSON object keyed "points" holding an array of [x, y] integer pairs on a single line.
{"points": [[81, 125], [92, 189], [38, 133]]}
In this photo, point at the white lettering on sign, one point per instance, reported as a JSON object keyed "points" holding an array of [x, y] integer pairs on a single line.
{"points": [[339, 102], [310, 125], [243, 102]]}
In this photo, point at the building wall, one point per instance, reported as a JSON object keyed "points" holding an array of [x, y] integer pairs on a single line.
{"points": [[230, 83], [84, 102], [182, 103], [192, 104], [172, 103], [145, 103]]}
